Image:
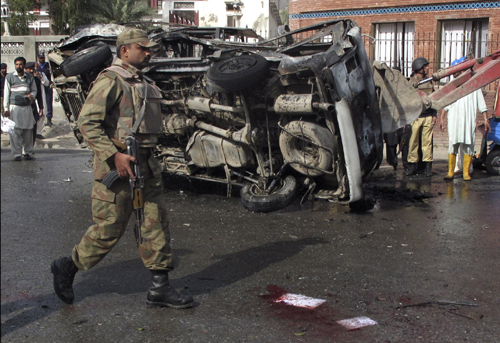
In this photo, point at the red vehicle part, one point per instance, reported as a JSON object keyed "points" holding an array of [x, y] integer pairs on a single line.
{"points": [[477, 73]]}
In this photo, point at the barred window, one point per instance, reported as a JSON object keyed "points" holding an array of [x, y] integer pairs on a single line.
{"points": [[394, 44], [466, 37]]}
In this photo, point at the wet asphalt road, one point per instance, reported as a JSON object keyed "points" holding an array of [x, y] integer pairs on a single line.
{"points": [[405, 264]]}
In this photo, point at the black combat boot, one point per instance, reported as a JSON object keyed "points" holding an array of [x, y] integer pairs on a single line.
{"points": [[411, 169], [160, 293], [64, 270], [428, 169]]}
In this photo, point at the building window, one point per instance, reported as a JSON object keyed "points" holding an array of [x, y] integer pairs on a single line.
{"points": [[466, 37], [394, 45], [233, 12], [183, 5]]}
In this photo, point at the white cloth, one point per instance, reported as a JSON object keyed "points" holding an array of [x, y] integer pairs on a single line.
{"points": [[40, 124], [45, 83], [41, 121], [462, 119]]}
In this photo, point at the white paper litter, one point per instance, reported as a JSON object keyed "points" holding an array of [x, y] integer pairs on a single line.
{"points": [[356, 323], [299, 300]]}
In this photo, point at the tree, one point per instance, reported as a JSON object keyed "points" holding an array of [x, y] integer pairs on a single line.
{"points": [[65, 15], [284, 16], [20, 18], [119, 11]]}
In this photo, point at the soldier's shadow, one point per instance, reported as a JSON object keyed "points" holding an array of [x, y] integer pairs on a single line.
{"points": [[130, 277]]}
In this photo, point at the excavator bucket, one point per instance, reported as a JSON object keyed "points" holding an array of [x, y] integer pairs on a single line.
{"points": [[400, 103]]}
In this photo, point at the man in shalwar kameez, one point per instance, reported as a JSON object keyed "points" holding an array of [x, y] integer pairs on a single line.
{"points": [[462, 128], [19, 92]]}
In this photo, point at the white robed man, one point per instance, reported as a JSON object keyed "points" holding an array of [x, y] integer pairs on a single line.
{"points": [[462, 127]]}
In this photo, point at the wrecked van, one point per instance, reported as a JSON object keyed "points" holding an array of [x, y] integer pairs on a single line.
{"points": [[279, 117]]}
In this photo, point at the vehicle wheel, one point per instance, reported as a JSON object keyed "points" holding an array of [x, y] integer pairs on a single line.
{"points": [[282, 196], [85, 60], [238, 73], [493, 162], [308, 143]]}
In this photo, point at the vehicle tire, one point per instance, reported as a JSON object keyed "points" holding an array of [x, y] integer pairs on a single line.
{"points": [[282, 196], [85, 60], [308, 143], [493, 162], [238, 73]]}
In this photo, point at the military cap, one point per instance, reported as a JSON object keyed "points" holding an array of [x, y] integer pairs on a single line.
{"points": [[29, 65], [135, 36], [3, 66], [41, 55]]}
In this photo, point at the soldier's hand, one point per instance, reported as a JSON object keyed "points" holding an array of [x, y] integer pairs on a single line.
{"points": [[122, 164]]}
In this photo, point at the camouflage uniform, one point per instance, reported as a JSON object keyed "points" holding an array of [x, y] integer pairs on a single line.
{"points": [[112, 108]]}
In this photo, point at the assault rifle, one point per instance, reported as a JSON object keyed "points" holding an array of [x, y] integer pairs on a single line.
{"points": [[136, 186]]}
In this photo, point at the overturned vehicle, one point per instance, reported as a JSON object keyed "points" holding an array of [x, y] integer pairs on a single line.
{"points": [[272, 116]]}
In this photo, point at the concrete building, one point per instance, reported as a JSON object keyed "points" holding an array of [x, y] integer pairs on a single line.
{"points": [[261, 15]]}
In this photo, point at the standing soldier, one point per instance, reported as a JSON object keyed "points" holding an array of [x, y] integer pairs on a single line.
{"points": [[120, 104], [422, 127]]}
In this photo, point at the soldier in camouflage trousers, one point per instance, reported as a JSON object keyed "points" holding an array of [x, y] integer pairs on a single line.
{"points": [[116, 108]]}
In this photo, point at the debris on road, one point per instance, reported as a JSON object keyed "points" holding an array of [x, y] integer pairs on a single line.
{"points": [[299, 300], [396, 194], [356, 323], [367, 234], [439, 302]]}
